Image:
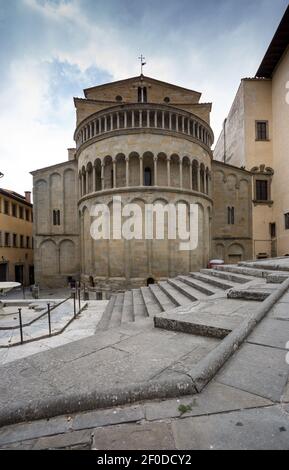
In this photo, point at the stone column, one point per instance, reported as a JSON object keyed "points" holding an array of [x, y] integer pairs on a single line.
{"points": [[170, 121], [127, 172], [94, 178], [140, 118], [86, 182], [156, 118], [148, 118], [155, 171], [188, 130], [132, 119], [183, 124], [117, 120], [177, 123], [141, 171], [111, 122], [102, 176], [82, 184], [125, 119], [163, 119], [169, 170], [198, 177], [105, 124], [191, 175], [181, 173], [114, 173]]}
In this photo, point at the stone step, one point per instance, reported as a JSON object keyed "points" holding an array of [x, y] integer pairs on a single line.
{"points": [[189, 291], [276, 276], [271, 265], [213, 281], [228, 276], [117, 311], [127, 309], [174, 294], [202, 324], [249, 294], [139, 307], [152, 306], [106, 316], [202, 288], [163, 300]]}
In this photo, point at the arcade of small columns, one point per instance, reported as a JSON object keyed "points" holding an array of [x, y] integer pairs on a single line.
{"points": [[148, 170], [146, 116]]}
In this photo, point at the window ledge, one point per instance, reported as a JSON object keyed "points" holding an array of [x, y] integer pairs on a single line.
{"points": [[262, 140], [264, 203]]}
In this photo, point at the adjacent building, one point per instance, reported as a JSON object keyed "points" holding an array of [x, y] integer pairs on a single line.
{"points": [[255, 137], [16, 237]]}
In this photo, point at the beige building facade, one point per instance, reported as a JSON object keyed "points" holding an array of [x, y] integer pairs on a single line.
{"points": [[16, 238], [147, 142], [255, 136]]}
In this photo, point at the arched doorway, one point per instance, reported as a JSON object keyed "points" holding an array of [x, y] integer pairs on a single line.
{"points": [[150, 280]]}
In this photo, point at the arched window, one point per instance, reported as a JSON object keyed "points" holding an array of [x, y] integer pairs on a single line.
{"points": [[147, 177]]}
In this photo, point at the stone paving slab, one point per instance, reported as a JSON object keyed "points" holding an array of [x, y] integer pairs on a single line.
{"points": [[153, 436], [97, 366], [78, 440], [257, 369], [280, 311], [261, 429], [216, 398], [271, 332]]}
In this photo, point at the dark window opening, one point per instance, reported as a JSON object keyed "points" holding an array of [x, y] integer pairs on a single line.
{"points": [[111, 178], [118, 98], [150, 280], [287, 221], [14, 210], [273, 230], [261, 130], [21, 241], [139, 94], [14, 240], [148, 177], [167, 99], [231, 215], [262, 190], [142, 94], [7, 239], [21, 212], [56, 217], [6, 207]]}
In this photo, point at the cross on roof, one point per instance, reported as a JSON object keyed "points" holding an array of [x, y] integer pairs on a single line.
{"points": [[142, 63]]}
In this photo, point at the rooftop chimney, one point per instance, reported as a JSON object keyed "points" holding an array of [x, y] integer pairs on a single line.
{"points": [[28, 196]]}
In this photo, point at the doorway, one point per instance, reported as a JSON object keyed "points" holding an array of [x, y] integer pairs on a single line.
{"points": [[19, 273], [150, 280], [3, 272]]}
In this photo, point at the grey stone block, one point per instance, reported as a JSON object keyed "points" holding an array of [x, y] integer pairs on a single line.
{"points": [[215, 398], [93, 419], [257, 369], [256, 429], [147, 436], [271, 332]]}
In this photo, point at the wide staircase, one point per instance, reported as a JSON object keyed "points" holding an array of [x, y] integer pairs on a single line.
{"points": [[247, 281]]}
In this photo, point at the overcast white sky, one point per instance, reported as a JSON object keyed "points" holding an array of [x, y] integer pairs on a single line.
{"points": [[52, 49]]}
